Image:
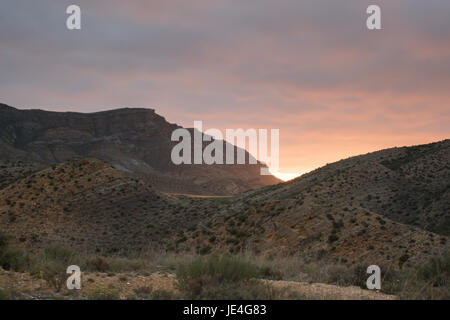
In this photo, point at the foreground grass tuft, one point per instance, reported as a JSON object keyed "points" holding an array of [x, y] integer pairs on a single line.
{"points": [[224, 278], [103, 292]]}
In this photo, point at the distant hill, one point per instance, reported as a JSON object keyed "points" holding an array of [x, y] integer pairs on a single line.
{"points": [[410, 185], [373, 208], [136, 141], [11, 171], [89, 205]]}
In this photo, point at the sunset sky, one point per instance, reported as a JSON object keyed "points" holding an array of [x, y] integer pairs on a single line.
{"points": [[310, 68]]}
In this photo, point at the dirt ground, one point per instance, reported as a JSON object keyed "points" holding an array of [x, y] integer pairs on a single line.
{"points": [[321, 291], [35, 288]]}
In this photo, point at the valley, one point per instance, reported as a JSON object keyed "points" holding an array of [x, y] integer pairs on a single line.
{"points": [[91, 184]]}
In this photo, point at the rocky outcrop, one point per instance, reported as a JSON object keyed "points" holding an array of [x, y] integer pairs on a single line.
{"points": [[136, 141]]}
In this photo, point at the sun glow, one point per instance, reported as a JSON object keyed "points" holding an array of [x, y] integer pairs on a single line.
{"points": [[286, 176]]}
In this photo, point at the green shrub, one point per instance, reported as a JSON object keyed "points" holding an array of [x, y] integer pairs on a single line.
{"points": [[123, 264], [162, 295], [54, 263], [402, 260], [103, 292], [252, 289], [203, 274], [430, 280], [4, 242], [144, 292], [267, 272], [360, 276], [16, 260], [436, 271], [205, 250], [333, 238], [225, 268], [4, 295], [12, 259]]}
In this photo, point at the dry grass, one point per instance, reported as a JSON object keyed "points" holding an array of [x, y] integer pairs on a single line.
{"points": [[227, 277]]}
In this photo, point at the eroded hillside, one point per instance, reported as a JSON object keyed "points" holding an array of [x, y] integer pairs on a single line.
{"points": [[353, 211], [373, 208], [89, 205]]}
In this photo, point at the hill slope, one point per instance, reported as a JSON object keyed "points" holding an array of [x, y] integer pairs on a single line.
{"points": [[349, 212], [89, 205], [366, 209], [136, 141], [410, 185]]}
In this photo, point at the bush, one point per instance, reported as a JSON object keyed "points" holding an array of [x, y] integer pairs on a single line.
{"points": [[144, 292], [4, 295], [122, 264], [205, 250], [360, 276], [402, 260], [4, 242], [333, 238], [436, 271], [54, 263], [342, 276], [12, 259], [430, 280], [267, 272], [103, 292], [98, 264], [162, 295], [204, 274], [223, 268], [16, 260], [249, 290]]}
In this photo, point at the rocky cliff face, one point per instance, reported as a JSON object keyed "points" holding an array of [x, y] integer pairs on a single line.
{"points": [[136, 141]]}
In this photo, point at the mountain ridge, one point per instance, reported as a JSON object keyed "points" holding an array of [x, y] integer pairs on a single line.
{"points": [[135, 140], [388, 207], [357, 210]]}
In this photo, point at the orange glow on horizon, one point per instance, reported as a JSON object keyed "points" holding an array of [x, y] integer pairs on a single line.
{"points": [[286, 176]]}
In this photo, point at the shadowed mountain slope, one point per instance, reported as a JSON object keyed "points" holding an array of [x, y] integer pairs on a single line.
{"points": [[136, 141], [89, 205]]}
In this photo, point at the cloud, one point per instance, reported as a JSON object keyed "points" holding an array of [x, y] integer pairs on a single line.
{"points": [[310, 68]]}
